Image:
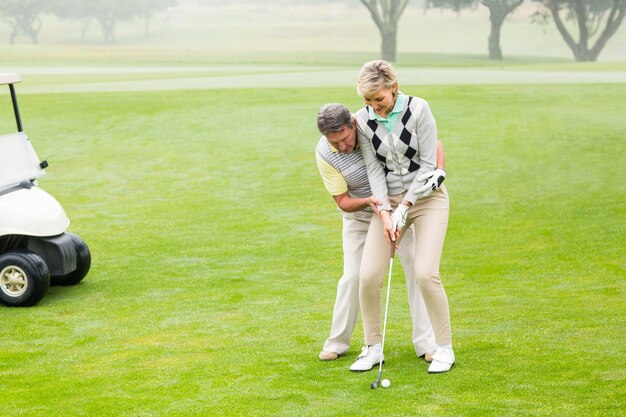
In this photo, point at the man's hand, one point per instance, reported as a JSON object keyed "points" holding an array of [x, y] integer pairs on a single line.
{"points": [[433, 179], [388, 229], [374, 202]]}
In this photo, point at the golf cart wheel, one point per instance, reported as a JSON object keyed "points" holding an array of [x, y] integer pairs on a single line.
{"points": [[24, 279], [83, 263]]}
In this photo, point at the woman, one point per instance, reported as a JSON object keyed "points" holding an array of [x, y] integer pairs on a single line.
{"points": [[398, 137]]}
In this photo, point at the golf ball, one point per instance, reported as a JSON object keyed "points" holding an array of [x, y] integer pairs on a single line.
{"points": [[385, 383]]}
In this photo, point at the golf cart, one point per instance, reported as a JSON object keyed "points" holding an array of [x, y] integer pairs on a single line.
{"points": [[35, 250]]}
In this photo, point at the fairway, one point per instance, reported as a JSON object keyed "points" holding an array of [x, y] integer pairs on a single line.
{"points": [[186, 160], [216, 253]]}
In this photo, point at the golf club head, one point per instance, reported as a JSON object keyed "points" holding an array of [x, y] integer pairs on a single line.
{"points": [[375, 384]]}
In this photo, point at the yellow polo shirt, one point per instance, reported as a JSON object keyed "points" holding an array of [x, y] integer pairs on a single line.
{"points": [[334, 182]]}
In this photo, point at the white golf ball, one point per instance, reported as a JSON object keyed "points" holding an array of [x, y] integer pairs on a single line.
{"points": [[385, 383]]}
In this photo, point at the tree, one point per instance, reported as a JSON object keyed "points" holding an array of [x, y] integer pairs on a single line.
{"points": [[107, 12], [79, 10], [147, 8], [589, 16], [386, 14], [498, 11], [23, 16]]}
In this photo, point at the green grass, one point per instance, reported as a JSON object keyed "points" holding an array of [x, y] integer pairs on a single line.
{"points": [[216, 252]]}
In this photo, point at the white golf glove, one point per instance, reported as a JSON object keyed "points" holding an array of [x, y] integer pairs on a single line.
{"points": [[398, 217], [433, 179]]}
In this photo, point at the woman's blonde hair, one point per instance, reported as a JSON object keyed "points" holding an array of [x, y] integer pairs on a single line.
{"points": [[373, 76]]}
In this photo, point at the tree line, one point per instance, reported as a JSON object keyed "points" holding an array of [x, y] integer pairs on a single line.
{"points": [[595, 21], [585, 25], [24, 16]]}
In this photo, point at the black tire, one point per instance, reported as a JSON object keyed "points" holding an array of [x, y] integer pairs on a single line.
{"points": [[24, 278], [83, 263]]}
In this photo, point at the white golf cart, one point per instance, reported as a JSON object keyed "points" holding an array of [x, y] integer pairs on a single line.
{"points": [[35, 251]]}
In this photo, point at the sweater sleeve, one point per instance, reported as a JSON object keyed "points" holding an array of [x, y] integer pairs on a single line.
{"points": [[426, 131], [375, 173]]}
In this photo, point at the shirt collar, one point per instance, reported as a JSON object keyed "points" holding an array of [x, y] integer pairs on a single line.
{"points": [[397, 108], [335, 150]]}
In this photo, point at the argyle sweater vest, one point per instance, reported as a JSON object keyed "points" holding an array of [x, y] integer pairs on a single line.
{"points": [[390, 153], [395, 159], [350, 165]]}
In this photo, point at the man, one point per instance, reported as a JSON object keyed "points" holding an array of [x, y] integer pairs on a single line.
{"points": [[343, 172]]}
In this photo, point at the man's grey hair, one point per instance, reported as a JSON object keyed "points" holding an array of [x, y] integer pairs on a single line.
{"points": [[333, 117]]}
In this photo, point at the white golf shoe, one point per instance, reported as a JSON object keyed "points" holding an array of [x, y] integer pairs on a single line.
{"points": [[442, 360], [370, 356]]}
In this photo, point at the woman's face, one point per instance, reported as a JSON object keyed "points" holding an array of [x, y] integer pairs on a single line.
{"points": [[382, 100]]}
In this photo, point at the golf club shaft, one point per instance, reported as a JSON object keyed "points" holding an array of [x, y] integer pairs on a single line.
{"points": [[382, 345]]}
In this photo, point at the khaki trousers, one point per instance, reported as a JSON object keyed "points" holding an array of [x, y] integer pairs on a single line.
{"points": [[429, 216], [346, 310]]}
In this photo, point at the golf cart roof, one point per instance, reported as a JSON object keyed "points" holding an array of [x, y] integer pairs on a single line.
{"points": [[9, 78]]}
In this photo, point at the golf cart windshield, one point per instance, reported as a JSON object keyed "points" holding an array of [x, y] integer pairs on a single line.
{"points": [[18, 161]]}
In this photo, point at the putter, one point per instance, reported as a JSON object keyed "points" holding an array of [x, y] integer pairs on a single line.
{"points": [[376, 383]]}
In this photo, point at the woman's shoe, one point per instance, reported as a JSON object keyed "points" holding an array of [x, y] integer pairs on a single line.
{"points": [[443, 359], [370, 356]]}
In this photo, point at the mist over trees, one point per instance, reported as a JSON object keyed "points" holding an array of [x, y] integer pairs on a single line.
{"points": [[602, 17], [591, 17], [24, 16], [586, 26], [498, 12]]}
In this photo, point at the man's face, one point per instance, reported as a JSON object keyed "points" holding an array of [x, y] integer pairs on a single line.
{"points": [[343, 140]]}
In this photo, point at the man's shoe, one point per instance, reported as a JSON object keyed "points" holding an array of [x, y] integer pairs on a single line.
{"points": [[443, 359], [327, 355], [428, 356], [370, 356]]}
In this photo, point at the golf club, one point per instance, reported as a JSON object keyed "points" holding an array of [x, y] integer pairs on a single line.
{"points": [[375, 384]]}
